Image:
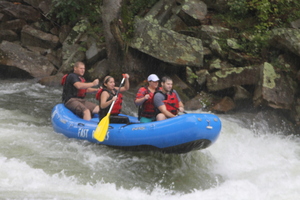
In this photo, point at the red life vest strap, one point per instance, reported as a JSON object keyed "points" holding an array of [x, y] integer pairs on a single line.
{"points": [[98, 94], [63, 79]]}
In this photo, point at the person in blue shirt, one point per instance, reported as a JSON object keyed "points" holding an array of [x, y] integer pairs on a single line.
{"points": [[167, 101]]}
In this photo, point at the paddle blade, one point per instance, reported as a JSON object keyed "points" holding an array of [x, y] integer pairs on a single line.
{"points": [[102, 128]]}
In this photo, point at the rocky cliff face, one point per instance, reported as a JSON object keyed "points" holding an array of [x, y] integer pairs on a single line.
{"points": [[175, 37]]}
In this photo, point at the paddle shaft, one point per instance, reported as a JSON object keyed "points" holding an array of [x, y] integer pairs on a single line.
{"points": [[102, 127], [112, 104], [176, 108]]}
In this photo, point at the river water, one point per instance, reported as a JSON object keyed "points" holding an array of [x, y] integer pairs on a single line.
{"points": [[250, 160]]}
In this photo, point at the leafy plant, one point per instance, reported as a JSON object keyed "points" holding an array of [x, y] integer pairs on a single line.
{"points": [[268, 13], [67, 11], [131, 9], [238, 8], [256, 18]]}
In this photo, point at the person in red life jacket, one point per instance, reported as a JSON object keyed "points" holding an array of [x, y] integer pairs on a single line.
{"points": [[74, 91], [144, 99], [167, 101], [108, 95]]}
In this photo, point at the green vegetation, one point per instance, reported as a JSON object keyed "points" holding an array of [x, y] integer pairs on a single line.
{"points": [[85, 14], [267, 14], [252, 20], [70, 11], [132, 8], [249, 20]]}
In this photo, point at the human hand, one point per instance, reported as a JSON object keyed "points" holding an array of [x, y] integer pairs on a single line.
{"points": [[146, 96], [96, 82], [181, 109], [126, 75], [114, 98]]}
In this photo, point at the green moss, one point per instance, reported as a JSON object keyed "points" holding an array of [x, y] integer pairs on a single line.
{"points": [[153, 34], [216, 64], [195, 44], [269, 76], [225, 73], [138, 43], [151, 19], [214, 79]]}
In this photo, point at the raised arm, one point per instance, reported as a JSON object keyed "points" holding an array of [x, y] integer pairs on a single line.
{"points": [[80, 85], [126, 85]]}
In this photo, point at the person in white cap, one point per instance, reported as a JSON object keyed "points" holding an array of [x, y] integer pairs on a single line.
{"points": [[167, 101], [144, 99]]}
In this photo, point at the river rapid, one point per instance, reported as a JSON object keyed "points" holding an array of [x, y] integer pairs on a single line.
{"points": [[250, 160]]}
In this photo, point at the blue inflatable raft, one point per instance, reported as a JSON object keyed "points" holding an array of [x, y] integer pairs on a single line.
{"points": [[187, 132]]}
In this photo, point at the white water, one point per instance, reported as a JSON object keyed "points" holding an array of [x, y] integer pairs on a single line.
{"points": [[36, 163]]}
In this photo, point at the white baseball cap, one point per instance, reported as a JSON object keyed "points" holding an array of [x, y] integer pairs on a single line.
{"points": [[153, 77]]}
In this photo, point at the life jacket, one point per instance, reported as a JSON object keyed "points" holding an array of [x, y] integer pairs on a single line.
{"points": [[81, 93], [117, 105], [98, 94], [147, 109], [171, 102]]}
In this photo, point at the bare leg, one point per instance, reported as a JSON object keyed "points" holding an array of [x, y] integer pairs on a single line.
{"points": [[87, 115], [96, 110], [160, 117]]}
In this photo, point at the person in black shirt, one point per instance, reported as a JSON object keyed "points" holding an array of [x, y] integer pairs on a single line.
{"points": [[74, 91]]}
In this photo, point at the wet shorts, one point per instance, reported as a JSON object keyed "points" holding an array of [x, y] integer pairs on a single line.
{"points": [[77, 106], [145, 119]]}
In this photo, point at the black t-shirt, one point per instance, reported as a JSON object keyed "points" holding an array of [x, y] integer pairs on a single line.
{"points": [[69, 90]]}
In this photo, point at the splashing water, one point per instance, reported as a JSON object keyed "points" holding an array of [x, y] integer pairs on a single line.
{"points": [[248, 161]]}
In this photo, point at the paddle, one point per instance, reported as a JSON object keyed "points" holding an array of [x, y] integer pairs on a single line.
{"points": [[176, 108], [102, 127]]}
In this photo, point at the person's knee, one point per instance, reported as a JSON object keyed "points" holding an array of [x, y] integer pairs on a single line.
{"points": [[96, 110], [160, 117], [87, 114]]}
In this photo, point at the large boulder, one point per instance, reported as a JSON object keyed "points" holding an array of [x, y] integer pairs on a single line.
{"points": [[230, 77], [8, 35], [185, 91], [224, 105], [70, 55], [71, 47], [54, 81], [296, 23], [193, 12], [13, 55], [286, 39], [99, 70], [33, 37], [275, 89], [218, 5], [45, 6], [167, 45], [95, 51], [161, 12], [34, 3], [20, 11], [14, 25]]}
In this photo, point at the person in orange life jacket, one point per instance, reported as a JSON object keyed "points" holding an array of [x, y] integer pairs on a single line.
{"points": [[108, 95], [167, 101], [144, 99], [74, 91]]}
